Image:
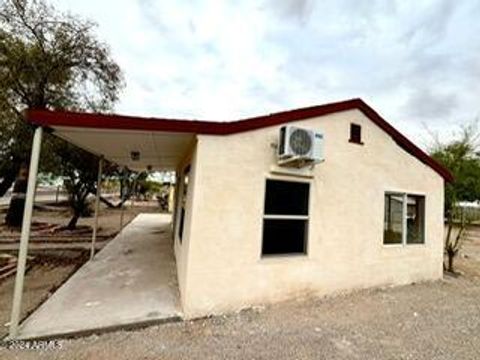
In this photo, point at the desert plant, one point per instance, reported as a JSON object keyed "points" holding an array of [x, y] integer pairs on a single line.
{"points": [[462, 158]]}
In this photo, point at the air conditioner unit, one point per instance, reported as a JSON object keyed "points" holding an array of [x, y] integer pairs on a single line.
{"points": [[299, 147]]}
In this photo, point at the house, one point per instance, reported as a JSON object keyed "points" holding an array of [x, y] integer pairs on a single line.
{"points": [[248, 229]]}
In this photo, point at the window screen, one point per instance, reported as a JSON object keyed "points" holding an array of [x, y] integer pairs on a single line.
{"points": [[284, 236], [285, 220], [286, 198], [393, 221], [415, 219]]}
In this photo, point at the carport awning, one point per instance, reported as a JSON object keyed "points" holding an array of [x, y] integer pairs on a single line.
{"points": [[118, 140], [156, 150]]}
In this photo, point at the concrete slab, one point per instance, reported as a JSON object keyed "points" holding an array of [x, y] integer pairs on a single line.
{"points": [[132, 280]]}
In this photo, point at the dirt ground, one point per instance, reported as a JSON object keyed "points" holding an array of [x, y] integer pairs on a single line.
{"points": [[431, 320], [108, 220], [47, 272], [468, 260]]}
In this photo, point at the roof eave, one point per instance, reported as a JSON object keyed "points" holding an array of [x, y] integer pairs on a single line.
{"points": [[51, 119]]}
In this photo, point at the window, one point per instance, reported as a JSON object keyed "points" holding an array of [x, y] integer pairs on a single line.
{"points": [[404, 219], [393, 227], [183, 201], [285, 220], [415, 219], [356, 134]]}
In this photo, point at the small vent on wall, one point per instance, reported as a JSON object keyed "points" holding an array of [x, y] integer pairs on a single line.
{"points": [[355, 134]]}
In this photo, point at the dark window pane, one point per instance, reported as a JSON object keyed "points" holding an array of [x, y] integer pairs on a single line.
{"points": [[182, 221], [284, 236], [286, 198], [355, 133], [415, 219], [393, 224]]}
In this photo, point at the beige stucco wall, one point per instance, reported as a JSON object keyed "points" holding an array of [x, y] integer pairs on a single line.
{"points": [[345, 244], [181, 248]]}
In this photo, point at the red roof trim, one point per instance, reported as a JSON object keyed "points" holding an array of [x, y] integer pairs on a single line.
{"points": [[120, 122]]}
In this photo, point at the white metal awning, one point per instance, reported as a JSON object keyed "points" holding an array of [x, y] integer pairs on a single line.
{"points": [[137, 150]]}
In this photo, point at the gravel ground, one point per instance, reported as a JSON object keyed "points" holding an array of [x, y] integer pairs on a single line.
{"points": [[432, 320], [436, 320]]}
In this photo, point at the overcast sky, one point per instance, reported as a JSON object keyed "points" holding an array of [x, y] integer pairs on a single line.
{"points": [[416, 62]]}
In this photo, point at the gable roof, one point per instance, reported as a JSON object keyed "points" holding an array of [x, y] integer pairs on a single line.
{"points": [[49, 118]]}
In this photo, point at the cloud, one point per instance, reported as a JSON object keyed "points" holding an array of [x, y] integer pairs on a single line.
{"points": [[433, 22], [425, 103], [299, 10], [416, 62]]}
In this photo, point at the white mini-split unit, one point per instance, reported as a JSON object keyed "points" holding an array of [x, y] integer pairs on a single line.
{"points": [[299, 147]]}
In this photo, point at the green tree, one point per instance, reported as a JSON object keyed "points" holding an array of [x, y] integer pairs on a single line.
{"points": [[78, 168], [48, 60], [462, 158]]}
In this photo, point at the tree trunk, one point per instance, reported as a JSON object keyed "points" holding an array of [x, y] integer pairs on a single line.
{"points": [[14, 216], [448, 245], [450, 262], [79, 205], [107, 202], [8, 179], [122, 201], [112, 205], [72, 224]]}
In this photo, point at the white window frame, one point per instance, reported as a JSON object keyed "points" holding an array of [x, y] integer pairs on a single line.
{"points": [[404, 218], [287, 217]]}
